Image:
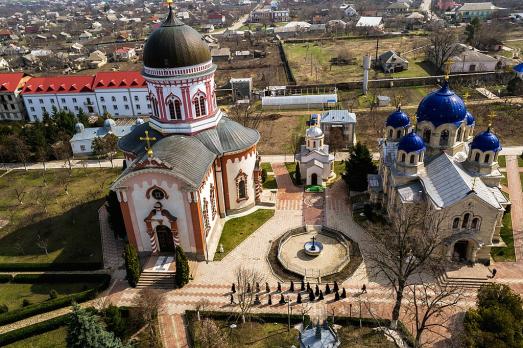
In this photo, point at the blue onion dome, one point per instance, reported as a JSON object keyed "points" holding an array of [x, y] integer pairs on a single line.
{"points": [[411, 143], [486, 141], [441, 107], [470, 119], [398, 119]]}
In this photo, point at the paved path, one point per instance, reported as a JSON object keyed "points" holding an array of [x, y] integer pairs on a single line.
{"points": [[516, 197]]}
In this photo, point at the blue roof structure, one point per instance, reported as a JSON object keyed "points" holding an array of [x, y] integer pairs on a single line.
{"points": [[518, 68], [486, 141], [411, 143], [398, 119], [470, 119], [441, 107]]}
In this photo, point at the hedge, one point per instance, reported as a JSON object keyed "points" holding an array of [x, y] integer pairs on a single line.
{"points": [[79, 266], [37, 308], [32, 330], [5, 278], [61, 278]]}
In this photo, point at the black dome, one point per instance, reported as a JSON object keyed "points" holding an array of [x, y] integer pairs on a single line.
{"points": [[174, 45]]}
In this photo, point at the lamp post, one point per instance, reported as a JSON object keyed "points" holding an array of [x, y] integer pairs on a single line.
{"points": [[288, 313]]}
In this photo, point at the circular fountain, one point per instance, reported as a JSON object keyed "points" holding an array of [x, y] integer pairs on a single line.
{"points": [[313, 247]]}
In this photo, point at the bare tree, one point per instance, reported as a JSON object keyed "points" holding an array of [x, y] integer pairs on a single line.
{"points": [[200, 306], [246, 280], [430, 306], [405, 247], [210, 335], [62, 150], [443, 45], [19, 149], [247, 115], [148, 304], [42, 244], [20, 193]]}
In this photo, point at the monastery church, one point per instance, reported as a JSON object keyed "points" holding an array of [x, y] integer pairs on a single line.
{"points": [[190, 165]]}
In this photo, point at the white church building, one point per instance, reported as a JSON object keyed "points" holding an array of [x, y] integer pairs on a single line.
{"points": [[441, 163], [189, 166]]}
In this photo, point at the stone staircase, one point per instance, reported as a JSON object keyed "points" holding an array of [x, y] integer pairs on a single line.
{"points": [[467, 282], [157, 280]]}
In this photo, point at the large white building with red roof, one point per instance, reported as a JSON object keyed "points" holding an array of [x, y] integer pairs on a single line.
{"points": [[121, 94], [11, 105]]}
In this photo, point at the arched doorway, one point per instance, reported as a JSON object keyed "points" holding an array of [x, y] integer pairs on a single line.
{"points": [[314, 179], [461, 251], [165, 239]]}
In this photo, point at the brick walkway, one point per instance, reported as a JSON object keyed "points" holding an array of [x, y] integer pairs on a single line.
{"points": [[516, 197], [112, 248]]}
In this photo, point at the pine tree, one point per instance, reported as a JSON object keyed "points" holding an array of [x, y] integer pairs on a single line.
{"points": [[297, 174], [115, 214], [86, 331], [182, 268], [357, 167], [132, 265]]}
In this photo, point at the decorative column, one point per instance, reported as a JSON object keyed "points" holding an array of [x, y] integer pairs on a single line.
{"points": [[150, 231], [174, 226], [196, 216], [187, 101], [161, 102], [126, 213], [257, 180], [208, 93]]}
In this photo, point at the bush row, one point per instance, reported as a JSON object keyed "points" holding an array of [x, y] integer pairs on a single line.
{"points": [[79, 266], [37, 308], [61, 278], [5, 278], [32, 330]]}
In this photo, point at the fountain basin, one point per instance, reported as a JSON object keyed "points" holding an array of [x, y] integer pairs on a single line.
{"points": [[313, 248]]}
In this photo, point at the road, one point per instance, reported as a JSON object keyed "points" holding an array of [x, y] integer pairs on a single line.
{"points": [[236, 25]]}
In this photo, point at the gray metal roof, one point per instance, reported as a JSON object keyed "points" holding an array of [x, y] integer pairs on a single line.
{"points": [[446, 182], [190, 156], [411, 192], [338, 116], [99, 132]]}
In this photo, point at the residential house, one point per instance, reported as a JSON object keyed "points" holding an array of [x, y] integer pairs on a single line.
{"points": [[468, 60], [221, 54], [370, 22], [391, 62], [482, 10], [267, 14], [339, 127], [398, 7], [85, 36], [97, 59], [216, 18], [124, 54], [350, 11], [241, 88]]}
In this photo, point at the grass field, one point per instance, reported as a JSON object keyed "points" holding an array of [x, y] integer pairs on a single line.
{"points": [[310, 62], [13, 294], [50, 339], [507, 253], [279, 132], [237, 230], [270, 182], [54, 210]]}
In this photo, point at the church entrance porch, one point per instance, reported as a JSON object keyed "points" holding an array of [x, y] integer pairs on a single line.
{"points": [[314, 179], [165, 239], [461, 251]]}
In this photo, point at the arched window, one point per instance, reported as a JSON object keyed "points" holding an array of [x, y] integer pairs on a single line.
{"points": [[391, 133], [202, 106], [444, 138], [154, 102], [426, 135], [476, 158], [412, 159], [402, 157], [398, 134], [242, 190], [465, 222], [475, 224], [459, 136], [175, 111], [455, 223], [487, 158]]}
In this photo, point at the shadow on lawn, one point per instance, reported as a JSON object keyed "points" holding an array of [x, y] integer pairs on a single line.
{"points": [[75, 233]]}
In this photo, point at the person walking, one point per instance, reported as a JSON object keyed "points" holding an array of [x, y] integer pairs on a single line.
{"points": [[364, 289]]}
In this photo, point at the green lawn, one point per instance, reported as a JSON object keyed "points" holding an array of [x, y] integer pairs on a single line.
{"points": [[291, 168], [270, 181], [267, 166], [57, 210], [50, 339], [339, 169], [502, 161], [237, 230], [508, 253], [12, 294]]}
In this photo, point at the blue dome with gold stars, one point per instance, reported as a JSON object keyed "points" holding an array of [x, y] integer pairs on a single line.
{"points": [[411, 143], [398, 119], [486, 141], [441, 107]]}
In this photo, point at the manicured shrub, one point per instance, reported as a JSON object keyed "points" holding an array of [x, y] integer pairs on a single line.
{"points": [[132, 265], [53, 294], [115, 214], [182, 268], [4, 308], [60, 278], [5, 278], [297, 175], [32, 330], [26, 303], [37, 267], [264, 174], [114, 321]]}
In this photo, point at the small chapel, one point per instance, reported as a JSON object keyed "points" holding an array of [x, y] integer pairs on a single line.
{"points": [[439, 161], [189, 166]]}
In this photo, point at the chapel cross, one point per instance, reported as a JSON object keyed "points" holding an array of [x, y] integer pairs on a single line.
{"points": [[313, 245], [466, 96], [491, 117], [448, 65], [148, 140]]}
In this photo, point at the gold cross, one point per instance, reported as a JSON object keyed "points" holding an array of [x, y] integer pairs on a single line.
{"points": [[491, 117], [466, 96], [448, 65], [398, 100], [148, 140], [169, 2]]}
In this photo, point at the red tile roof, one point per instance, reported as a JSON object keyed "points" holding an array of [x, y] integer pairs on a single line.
{"points": [[120, 79], [9, 81], [59, 84]]}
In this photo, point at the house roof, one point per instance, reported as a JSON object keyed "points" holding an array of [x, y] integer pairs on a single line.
{"points": [[9, 82], [369, 21], [58, 84], [478, 6], [118, 79], [338, 116]]}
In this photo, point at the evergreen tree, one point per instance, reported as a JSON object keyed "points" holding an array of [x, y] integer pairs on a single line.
{"points": [[357, 167], [132, 265], [82, 117], [182, 268], [115, 215], [471, 31], [85, 330], [297, 175], [113, 320]]}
